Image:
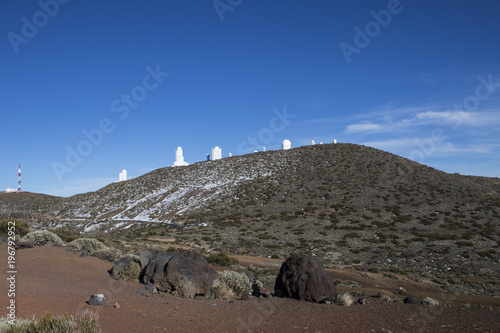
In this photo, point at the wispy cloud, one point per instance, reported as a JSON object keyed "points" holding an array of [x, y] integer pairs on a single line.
{"points": [[364, 127], [459, 118], [455, 119], [435, 148], [449, 148]]}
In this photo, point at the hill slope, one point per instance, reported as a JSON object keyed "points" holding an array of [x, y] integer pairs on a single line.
{"points": [[348, 204]]}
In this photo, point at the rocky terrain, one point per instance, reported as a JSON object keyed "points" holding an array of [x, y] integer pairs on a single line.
{"points": [[53, 279], [354, 207]]}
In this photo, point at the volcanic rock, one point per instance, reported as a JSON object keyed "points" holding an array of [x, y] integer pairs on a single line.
{"points": [[304, 278], [184, 273]]}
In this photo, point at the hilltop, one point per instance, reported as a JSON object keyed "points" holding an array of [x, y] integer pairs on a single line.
{"points": [[351, 205], [26, 205]]}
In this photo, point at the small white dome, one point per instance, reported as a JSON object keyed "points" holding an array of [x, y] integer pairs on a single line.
{"points": [[286, 144]]}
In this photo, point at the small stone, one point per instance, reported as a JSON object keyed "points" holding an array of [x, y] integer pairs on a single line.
{"points": [[362, 301], [411, 300], [140, 292], [97, 299], [117, 305], [245, 297], [150, 288]]}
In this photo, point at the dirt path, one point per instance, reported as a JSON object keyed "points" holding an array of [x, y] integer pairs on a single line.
{"points": [[54, 279]]}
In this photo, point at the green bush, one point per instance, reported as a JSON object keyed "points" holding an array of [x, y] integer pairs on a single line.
{"points": [[90, 245], [21, 228], [87, 322], [221, 259], [239, 283], [42, 237]]}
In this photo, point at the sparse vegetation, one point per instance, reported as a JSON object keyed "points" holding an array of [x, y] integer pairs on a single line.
{"points": [[344, 299], [430, 301], [89, 245], [130, 272], [237, 282], [268, 280], [346, 204], [224, 291], [87, 322], [42, 237], [109, 254], [221, 259], [388, 299], [20, 228]]}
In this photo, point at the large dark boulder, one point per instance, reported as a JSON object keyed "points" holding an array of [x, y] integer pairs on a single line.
{"points": [[304, 278], [184, 273]]}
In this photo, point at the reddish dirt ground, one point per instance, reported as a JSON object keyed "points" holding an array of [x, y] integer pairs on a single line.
{"points": [[57, 280]]}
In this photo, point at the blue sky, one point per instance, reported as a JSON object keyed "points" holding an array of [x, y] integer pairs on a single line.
{"points": [[94, 87]]}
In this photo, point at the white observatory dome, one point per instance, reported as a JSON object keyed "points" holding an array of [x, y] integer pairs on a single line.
{"points": [[286, 144]]}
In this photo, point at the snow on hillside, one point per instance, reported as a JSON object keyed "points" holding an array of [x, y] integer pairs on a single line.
{"points": [[164, 194]]}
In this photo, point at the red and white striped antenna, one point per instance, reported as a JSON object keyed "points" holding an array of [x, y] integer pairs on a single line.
{"points": [[19, 173]]}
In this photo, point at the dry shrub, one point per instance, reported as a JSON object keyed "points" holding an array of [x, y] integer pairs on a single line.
{"points": [[89, 245], [388, 299], [87, 322], [239, 283], [221, 259], [132, 256], [42, 237], [224, 292], [344, 299], [430, 301], [130, 272], [109, 254], [268, 280]]}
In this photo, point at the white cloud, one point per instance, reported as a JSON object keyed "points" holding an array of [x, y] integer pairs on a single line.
{"points": [[460, 118], [446, 116], [363, 127], [487, 120], [449, 148]]}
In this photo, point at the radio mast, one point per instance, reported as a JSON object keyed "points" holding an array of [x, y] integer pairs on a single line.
{"points": [[19, 173]]}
